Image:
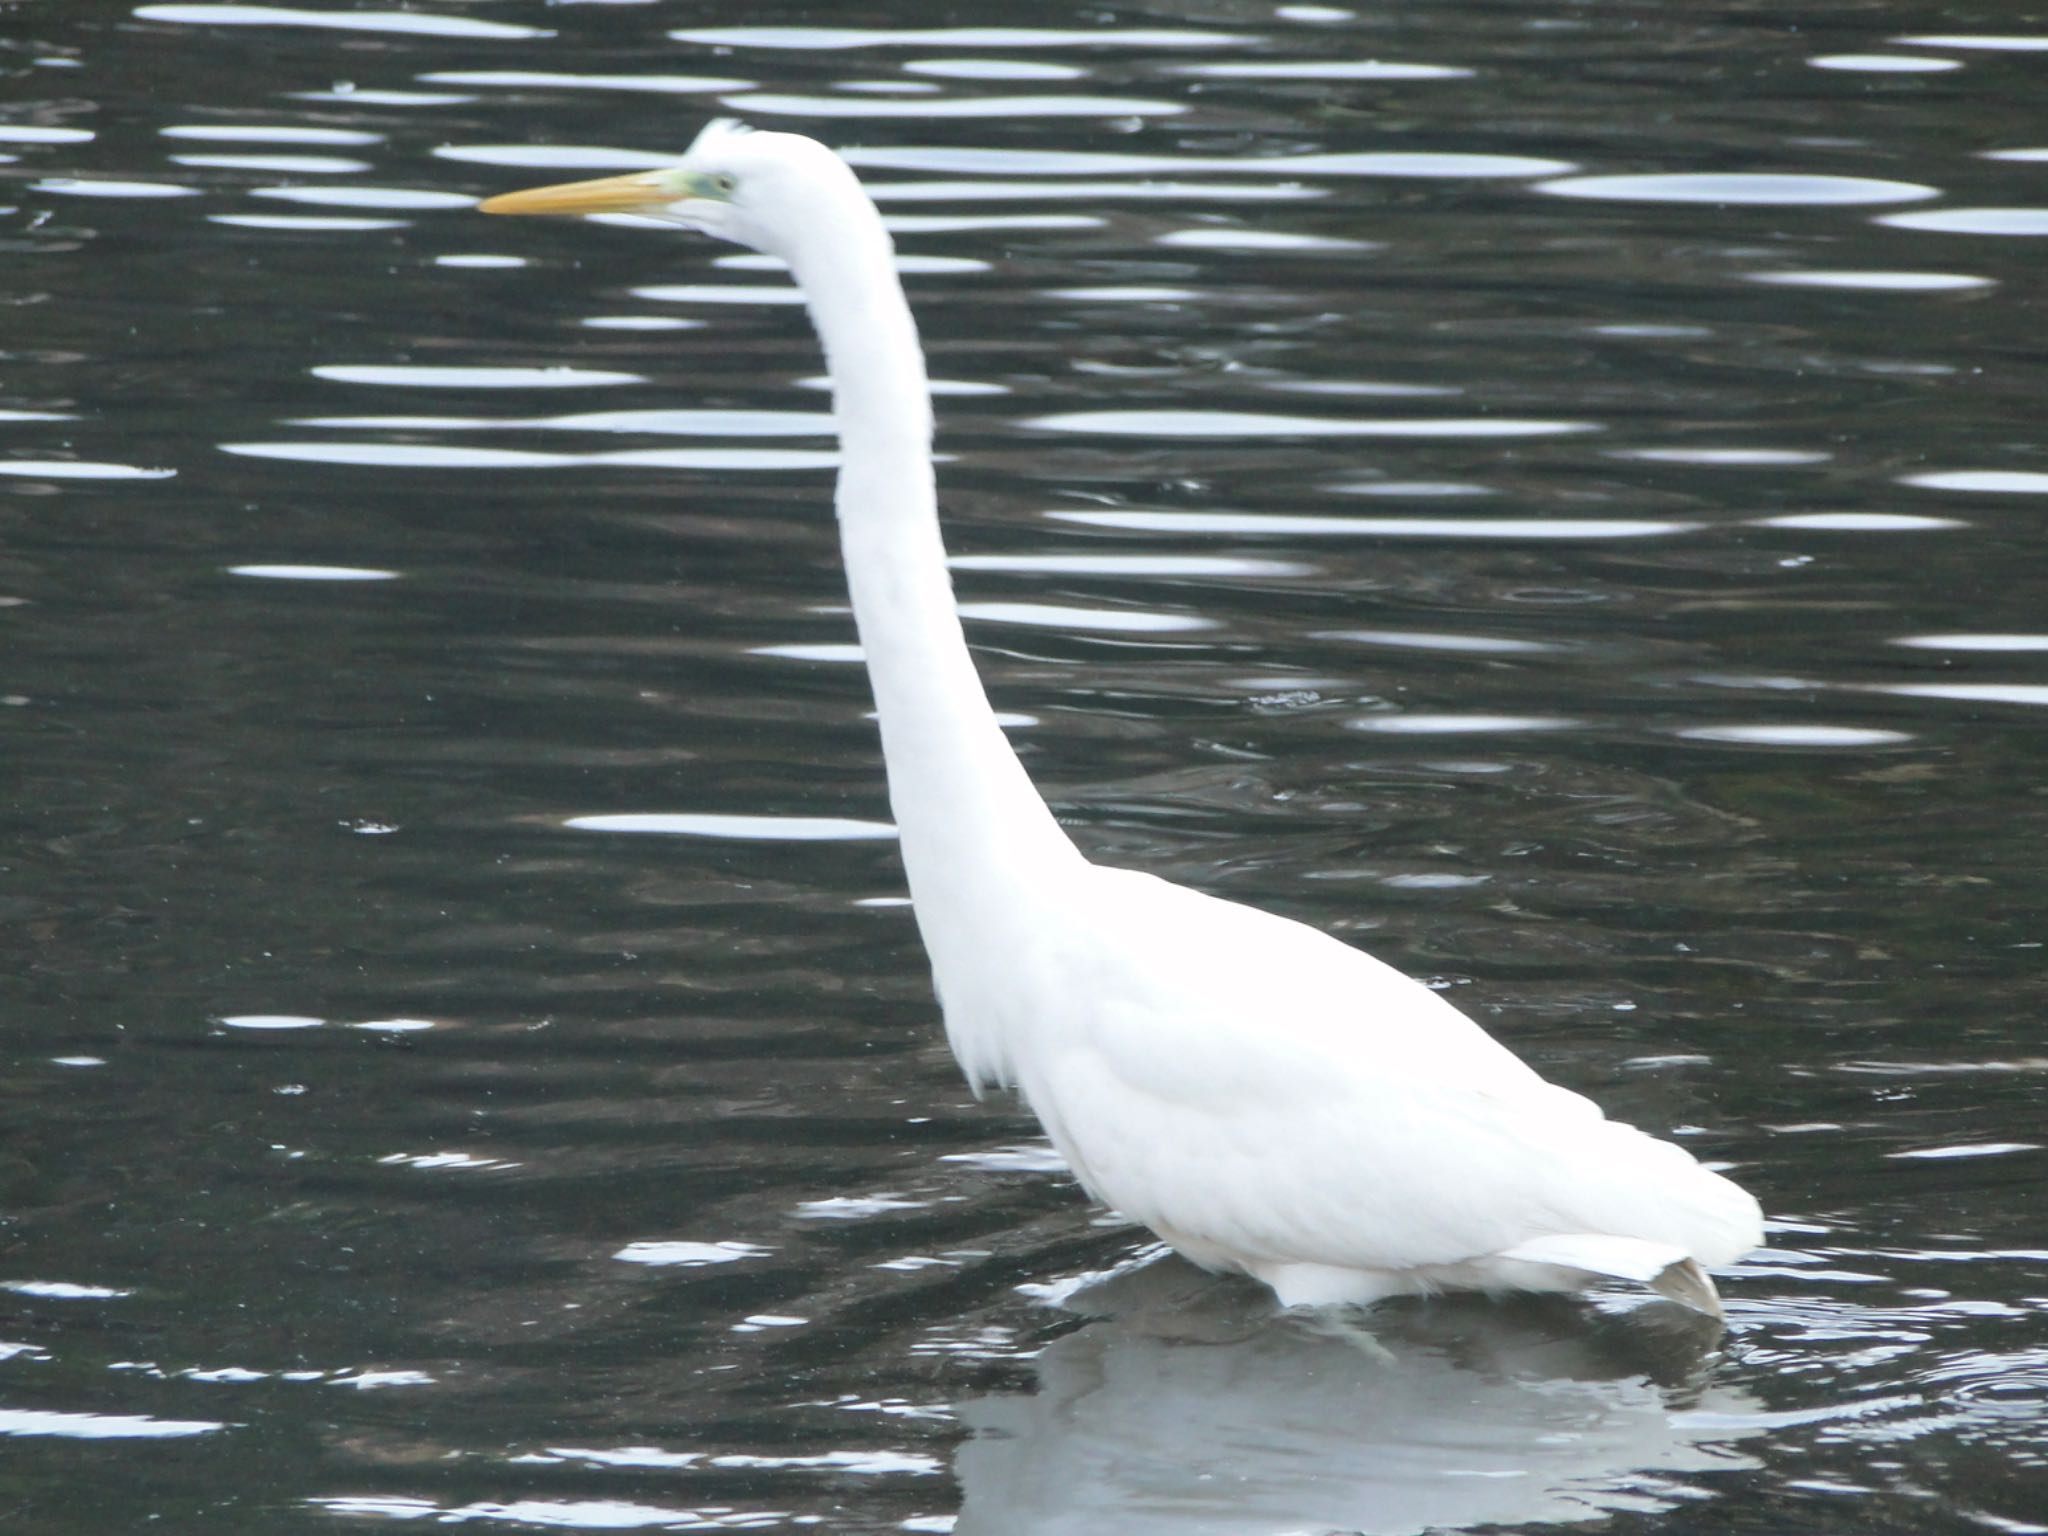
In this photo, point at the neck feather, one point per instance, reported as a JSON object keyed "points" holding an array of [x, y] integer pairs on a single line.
{"points": [[977, 839]]}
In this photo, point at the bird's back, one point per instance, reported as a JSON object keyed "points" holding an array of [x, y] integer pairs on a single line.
{"points": [[1259, 1093]]}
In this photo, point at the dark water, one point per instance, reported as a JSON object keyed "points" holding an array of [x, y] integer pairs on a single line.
{"points": [[1622, 602]]}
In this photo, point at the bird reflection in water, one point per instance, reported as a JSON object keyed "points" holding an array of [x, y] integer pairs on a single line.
{"points": [[1184, 1407]]}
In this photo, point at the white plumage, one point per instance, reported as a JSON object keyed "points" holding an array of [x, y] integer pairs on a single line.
{"points": [[1263, 1097]]}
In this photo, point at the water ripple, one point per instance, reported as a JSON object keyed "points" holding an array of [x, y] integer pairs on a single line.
{"points": [[276, 165], [1232, 424], [1746, 189], [1323, 69], [416, 23], [1069, 617], [543, 79], [365, 197], [771, 829], [446, 456], [308, 223], [1080, 162], [2022, 222], [833, 38], [765, 103], [2032, 694], [1778, 734], [1995, 482], [79, 469], [414, 376], [270, 133], [1879, 282], [313, 572], [689, 1255], [68, 186], [1884, 63], [1975, 642], [100, 1426], [1990, 42], [681, 422], [1511, 528]]}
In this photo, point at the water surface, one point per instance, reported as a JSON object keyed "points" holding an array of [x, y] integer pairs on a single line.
{"points": [[1553, 497]]}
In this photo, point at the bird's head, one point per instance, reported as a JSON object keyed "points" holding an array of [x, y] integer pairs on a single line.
{"points": [[764, 190]]}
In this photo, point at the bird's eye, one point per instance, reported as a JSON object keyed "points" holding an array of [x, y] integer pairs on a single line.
{"points": [[725, 182]]}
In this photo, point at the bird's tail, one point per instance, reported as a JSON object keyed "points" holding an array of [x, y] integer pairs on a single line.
{"points": [[1665, 1268]]}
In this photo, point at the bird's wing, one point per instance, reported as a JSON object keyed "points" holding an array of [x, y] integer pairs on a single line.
{"points": [[1258, 1087]]}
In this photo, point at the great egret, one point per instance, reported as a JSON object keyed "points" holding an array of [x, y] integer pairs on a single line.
{"points": [[1263, 1097]]}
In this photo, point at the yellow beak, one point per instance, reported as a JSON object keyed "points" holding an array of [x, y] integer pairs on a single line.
{"points": [[634, 193]]}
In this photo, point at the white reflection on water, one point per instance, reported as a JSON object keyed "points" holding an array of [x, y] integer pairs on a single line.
{"points": [[276, 165], [958, 37], [1974, 221], [365, 197], [313, 223], [1068, 617], [36, 133], [1257, 424], [1260, 241], [1127, 294], [570, 1514], [841, 653], [690, 1255], [1879, 282], [1415, 640], [1884, 63], [67, 186], [1142, 520], [1423, 723], [1195, 1410], [1093, 563], [269, 133], [907, 264], [446, 456], [1322, 69], [1093, 191], [719, 293], [2033, 694], [351, 95], [1975, 642], [661, 85], [416, 376], [1087, 162], [682, 422], [1859, 522], [1751, 189], [313, 572], [79, 469], [1773, 734], [2000, 482], [1964, 1149], [1724, 457], [1991, 42], [775, 829], [560, 157], [100, 1426], [63, 1290], [993, 69], [769, 104], [639, 323], [418, 23]]}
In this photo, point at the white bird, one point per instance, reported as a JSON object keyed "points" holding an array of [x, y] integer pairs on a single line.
{"points": [[1262, 1096]]}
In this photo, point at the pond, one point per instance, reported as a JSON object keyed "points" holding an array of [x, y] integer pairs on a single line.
{"points": [[1548, 494]]}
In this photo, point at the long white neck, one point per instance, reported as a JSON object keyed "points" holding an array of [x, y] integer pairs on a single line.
{"points": [[979, 844]]}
